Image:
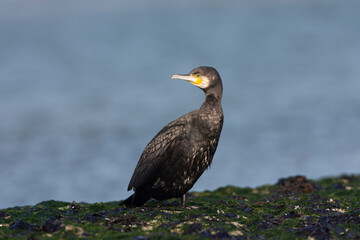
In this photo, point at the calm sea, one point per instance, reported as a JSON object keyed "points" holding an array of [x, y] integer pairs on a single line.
{"points": [[85, 85]]}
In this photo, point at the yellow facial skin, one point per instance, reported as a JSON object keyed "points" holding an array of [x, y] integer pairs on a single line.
{"points": [[198, 80]]}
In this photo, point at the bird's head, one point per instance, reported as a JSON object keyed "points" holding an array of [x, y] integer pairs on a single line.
{"points": [[206, 78]]}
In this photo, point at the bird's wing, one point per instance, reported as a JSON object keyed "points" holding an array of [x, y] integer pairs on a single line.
{"points": [[160, 148]]}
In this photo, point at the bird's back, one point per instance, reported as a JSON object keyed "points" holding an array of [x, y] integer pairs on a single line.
{"points": [[177, 156], [159, 149]]}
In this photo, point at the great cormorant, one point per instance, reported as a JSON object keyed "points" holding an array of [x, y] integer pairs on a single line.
{"points": [[177, 156]]}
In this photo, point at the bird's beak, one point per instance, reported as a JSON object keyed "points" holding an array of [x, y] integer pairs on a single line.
{"points": [[194, 80]]}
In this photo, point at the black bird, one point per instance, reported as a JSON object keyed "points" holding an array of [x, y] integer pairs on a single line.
{"points": [[177, 156]]}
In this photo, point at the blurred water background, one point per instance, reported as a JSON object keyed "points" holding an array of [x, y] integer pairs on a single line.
{"points": [[85, 85]]}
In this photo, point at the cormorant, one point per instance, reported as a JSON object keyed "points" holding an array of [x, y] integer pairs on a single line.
{"points": [[177, 156]]}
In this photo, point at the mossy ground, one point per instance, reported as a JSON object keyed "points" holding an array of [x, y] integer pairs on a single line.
{"points": [[295, 208]]}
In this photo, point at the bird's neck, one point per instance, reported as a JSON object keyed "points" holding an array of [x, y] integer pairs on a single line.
{"points": [[211, 101], [215, 92]]}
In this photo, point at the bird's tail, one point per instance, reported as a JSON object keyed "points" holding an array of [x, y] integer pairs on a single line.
{"points": [[138, 199]]}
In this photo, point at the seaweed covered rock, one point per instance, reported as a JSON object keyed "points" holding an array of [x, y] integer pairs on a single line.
{"points": [[295, 208], [296, 184]]}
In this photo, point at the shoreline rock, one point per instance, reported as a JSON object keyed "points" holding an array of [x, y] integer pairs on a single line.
{"points": [[295, 207]]}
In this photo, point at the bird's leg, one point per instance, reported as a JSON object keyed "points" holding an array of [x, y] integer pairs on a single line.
{"points": [[182, 201]]}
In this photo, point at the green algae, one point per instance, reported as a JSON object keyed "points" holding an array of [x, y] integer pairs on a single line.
{"points": [[325, 209]]}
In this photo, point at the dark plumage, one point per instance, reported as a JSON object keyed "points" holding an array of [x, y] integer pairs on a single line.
{"points": [[177, 156]]}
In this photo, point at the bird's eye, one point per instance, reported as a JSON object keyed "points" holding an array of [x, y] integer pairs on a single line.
{"points": [[198, 75]]}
